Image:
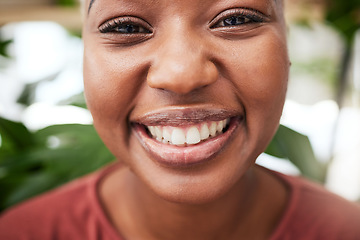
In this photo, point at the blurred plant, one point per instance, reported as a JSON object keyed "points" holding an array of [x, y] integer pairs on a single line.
{"points": [[4, 56], [3, 47], [291, 145], [344, 16], [324, 69], [34, 162], [67, 3]]}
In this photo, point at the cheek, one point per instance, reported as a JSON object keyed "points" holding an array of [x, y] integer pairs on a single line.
{"points": [[261, 77], [111, 86], [263, 71]]}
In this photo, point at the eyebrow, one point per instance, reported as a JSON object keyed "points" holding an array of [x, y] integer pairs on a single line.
{"points": [[90, 5]]}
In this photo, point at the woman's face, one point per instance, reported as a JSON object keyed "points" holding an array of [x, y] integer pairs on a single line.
{"points": [[186, 93]]}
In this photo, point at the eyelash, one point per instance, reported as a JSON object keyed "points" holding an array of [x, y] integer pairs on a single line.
{"points": [[128, 23], [247, 16], [223, 20]]}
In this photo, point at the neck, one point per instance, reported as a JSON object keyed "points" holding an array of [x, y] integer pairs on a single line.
{"points": [[144, 215]]}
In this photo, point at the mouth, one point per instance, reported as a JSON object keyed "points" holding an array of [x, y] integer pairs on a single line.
{"points": [[184, 138], [187, 135]]}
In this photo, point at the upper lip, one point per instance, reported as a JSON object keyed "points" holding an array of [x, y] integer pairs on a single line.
{"points": [[184, 116]]}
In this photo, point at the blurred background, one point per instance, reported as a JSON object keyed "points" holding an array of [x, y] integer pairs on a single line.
{"points": [[46, 136]]}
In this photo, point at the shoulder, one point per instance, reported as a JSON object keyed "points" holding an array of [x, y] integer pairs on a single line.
{"points": [[67, 210], [315, 213]]}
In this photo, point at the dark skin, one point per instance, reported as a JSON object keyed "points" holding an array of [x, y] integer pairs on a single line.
{"points": [[179, 64]]}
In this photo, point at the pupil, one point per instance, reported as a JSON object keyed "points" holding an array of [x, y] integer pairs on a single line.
{"points": [[233, 20], [129, 28]]}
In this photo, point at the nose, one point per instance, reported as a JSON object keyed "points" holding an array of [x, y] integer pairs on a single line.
{"points": [[181, 65]]}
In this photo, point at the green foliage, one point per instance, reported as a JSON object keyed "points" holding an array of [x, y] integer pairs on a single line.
{"points": [[3, 47], [344, 16], [27, 96], [31, 163], [296, 147], [67, 3], [323, 69]]}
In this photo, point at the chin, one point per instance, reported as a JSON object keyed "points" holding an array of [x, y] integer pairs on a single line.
{"points": [[194, 184]]}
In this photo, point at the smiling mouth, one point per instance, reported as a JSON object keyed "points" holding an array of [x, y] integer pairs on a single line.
{"points": [[186, 137]]}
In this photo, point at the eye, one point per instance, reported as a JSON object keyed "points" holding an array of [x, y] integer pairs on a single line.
{"points": [[126, 28], [233, 21], [125, 25], [237, 17]]}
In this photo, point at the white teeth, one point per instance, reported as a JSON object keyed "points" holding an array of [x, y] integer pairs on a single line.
{"points": [[220, 126], [178, 137], [212, 129], [158, 133], [152, 130], [188, 135], [166, 135], [204, 131], [193, 136], [226, 122]]}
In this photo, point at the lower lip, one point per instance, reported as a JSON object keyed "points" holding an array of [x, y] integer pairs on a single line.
{"points": [[175, 156]]}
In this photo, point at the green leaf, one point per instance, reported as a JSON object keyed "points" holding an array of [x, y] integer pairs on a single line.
{"points": [[67, 3], [78, 151], [21, 187], [3, 47], [296, 147], [15, 136], [344, 16]]}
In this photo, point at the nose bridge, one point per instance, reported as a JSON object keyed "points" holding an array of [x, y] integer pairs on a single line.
{"points": [[181, 63], [180, 49]]}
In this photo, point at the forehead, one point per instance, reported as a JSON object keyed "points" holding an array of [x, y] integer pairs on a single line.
{"points": [[91, 2]]}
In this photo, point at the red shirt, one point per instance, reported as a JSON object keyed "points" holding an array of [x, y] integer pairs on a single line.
{"points": [[74, 212]]}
